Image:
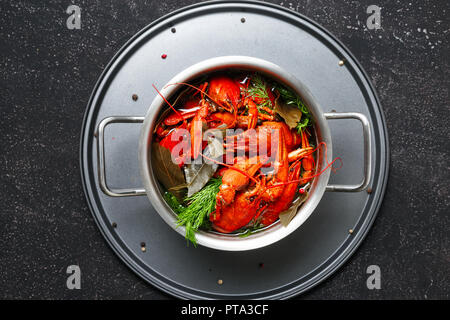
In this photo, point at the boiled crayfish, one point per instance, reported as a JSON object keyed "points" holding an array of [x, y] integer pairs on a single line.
{"points": [[256, 186], [261, 198]]}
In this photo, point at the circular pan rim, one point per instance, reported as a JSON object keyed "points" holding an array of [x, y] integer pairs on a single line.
{"points": [[315, 277]]}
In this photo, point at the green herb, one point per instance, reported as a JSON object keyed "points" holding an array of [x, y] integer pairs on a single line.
{"points": [[249, 230], [173, 202], [199, 206], [290, 97], [258, 89]]}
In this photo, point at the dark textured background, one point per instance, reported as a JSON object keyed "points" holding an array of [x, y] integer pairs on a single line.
{"points": [[48, 73]]}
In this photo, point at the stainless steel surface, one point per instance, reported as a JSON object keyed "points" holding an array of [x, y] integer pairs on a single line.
{"points": [[100, 134], [367, 137], [277, 231], [233, 242], [304, 258]]}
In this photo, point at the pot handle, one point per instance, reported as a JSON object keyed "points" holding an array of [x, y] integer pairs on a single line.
{"points": [[100, 135], [367, 151]]}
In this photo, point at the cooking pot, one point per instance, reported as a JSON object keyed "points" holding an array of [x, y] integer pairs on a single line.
{"points": [[274, 232]]}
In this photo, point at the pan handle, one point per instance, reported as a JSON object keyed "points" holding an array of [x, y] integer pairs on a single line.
{"points": [[100, 134], [367, 151]]}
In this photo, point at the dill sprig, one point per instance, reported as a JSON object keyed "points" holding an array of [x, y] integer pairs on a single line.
{"points": [[199, 206], [250, 229], [290, 97], [258, 89], [173, 202]]}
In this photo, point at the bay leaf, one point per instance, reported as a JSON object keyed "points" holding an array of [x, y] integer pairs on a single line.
{"points": [[178, 187], [289, 214], [167, 171], [198, 174], [215, 143], [290, 113]]}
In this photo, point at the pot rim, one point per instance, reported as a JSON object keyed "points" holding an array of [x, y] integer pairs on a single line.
{"points": [[275, 232]]}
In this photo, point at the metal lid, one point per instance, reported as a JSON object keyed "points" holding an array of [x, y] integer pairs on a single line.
{"points": [[202, 31]]}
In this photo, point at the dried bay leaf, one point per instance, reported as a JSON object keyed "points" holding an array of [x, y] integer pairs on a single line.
{"points": [[290, 114], [167, 172], [215, 143], [289, 214], [198, 174]]}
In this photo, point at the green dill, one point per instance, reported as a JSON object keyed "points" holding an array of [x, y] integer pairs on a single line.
{"points": [[303, 123], [199, 206], [249, 230], [258, 89], [290, 97], [173, 202]]}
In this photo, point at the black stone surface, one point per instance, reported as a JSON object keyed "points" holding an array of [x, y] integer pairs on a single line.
{"points": [[49, 71]]}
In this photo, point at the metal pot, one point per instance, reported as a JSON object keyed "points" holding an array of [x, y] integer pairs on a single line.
{"points": [[276, 231]]}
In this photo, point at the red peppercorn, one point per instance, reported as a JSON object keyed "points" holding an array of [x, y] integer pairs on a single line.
{"points": [[164, 56], [301, 191]]}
